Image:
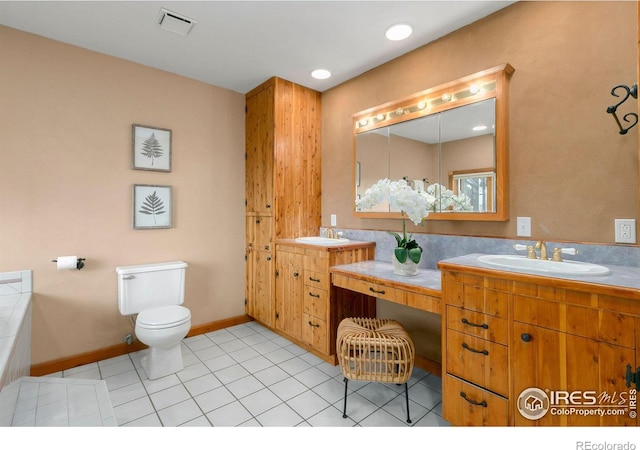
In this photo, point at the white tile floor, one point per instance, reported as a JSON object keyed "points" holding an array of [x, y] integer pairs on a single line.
{"points": [[247, 375]]}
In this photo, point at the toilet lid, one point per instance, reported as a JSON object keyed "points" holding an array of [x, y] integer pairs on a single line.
{"points": [[163, 317]]}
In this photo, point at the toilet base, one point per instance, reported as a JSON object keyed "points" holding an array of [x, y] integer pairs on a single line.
{"points": [[160, 362]]}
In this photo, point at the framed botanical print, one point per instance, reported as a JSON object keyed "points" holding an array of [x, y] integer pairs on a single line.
{"points": [[151, 148], [152, 206]]}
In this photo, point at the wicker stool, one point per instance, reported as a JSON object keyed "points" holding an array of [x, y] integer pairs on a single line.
{"points": [[378, 350]]}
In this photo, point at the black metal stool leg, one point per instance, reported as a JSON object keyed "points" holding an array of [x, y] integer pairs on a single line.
{"points": [[344, 412], [406, 393]]}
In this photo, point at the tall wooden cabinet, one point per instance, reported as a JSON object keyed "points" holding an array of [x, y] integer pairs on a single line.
{"points": [[282, 187]]}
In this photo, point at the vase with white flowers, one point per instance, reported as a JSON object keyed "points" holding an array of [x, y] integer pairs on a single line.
{"points": [[416, 205]]}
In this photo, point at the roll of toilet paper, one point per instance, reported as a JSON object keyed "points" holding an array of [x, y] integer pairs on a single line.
{"points": [[67, 262]]}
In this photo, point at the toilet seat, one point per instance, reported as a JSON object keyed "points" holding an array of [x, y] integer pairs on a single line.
{"points": [[163, 317]]}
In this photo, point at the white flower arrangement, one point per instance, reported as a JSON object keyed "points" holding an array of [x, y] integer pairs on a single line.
{"points": [[416, 204]]}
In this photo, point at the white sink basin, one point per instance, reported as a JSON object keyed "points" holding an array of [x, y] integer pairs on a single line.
{"points": [[522, 263], [321, 240]]}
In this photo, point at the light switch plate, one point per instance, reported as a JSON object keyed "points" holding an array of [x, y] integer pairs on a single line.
{"points": [[625, 231], [334, 220], [524, 227]]}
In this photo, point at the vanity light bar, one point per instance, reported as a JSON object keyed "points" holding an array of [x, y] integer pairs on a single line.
{"points": [[426, 103]]}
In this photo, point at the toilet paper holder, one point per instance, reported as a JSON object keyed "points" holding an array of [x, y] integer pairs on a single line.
{"points": [[79, 264]]}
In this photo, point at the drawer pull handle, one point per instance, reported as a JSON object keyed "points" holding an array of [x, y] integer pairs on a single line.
{"points": [[473, 402], [314, 295], [314, 324], [525, 337], [317, 280], [376, 292], [483, 325], [295, 274], [466, 347]]}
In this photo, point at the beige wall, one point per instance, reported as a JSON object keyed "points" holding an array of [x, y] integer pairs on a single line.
{"points": [[570, 169], [66, 180]]}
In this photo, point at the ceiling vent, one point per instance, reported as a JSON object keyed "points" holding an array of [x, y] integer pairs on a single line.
{"points": [[175, 23]]}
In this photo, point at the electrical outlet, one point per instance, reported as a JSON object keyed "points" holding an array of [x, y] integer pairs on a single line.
{"points": [[625, 231], [334, 220], [523, 227]]}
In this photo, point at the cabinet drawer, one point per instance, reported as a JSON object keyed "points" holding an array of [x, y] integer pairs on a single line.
{"points": [[478, 361], [315, 302], [314, 333], [467, 405], [477, 298], [290, 259], [316, 261], [372, 289], [487, 327], [593, 323], [423, 302], [318, 280]]}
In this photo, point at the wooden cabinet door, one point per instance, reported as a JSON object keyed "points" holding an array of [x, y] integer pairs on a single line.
{"points": [[289, 287], [263, 233], [579, 376], [260, 292], [249, 298], [259, 148]]}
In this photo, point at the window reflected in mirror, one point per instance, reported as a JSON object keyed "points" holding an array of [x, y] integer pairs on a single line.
{"points": [[478, 185]]}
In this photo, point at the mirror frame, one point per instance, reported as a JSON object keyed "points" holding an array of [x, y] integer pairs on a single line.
{"points": [[493, 83]]}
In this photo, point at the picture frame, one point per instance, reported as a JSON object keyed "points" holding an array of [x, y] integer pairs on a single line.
{"points": [[151, 148], [152, 206]]}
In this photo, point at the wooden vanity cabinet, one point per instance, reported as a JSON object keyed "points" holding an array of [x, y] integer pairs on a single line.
{"points": [[565, 340], [282, 181], [504, 333], [475, 378], [307, 308]]}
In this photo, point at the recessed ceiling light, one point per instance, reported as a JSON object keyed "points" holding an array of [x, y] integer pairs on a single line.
{"points": [[479, 128], [398, 32], [320, 74]]}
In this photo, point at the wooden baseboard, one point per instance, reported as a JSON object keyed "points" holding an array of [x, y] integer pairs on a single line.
{"points": [[218, 325], [70, 362], [431, 366]]}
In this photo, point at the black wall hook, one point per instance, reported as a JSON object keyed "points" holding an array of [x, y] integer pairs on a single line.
{"points": [[629, 117]]}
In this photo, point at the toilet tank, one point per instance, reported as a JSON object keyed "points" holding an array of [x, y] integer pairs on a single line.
{"points": [[149, 286]]}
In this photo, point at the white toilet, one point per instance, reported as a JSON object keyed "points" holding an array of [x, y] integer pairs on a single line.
{"points": [[155, 292]]}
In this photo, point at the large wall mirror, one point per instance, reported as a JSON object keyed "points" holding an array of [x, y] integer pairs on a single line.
{"points": [[454, 134]]}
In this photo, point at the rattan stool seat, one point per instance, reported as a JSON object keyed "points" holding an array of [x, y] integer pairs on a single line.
{"points": [[378, 350]]}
